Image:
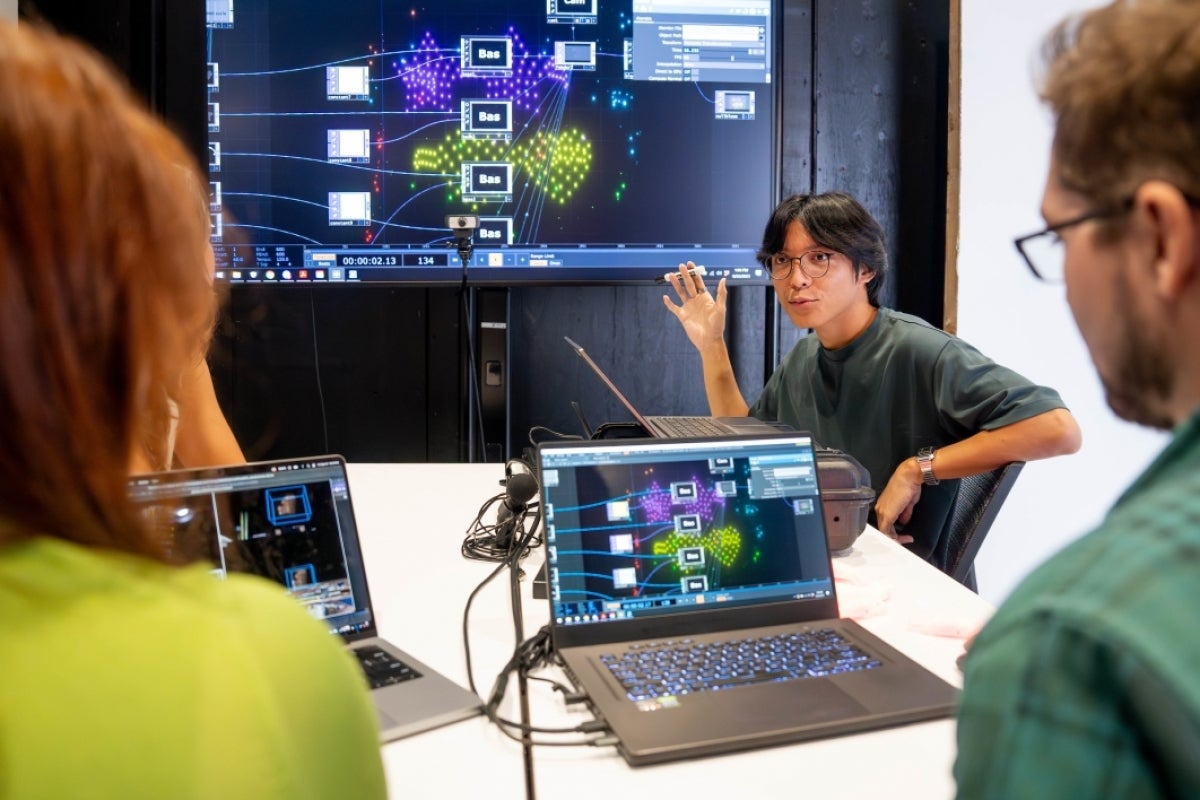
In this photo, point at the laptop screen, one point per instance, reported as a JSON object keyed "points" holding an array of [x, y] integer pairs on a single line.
{"points": [[654, 527], [288, 521]]}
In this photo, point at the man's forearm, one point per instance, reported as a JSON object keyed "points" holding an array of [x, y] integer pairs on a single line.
{"points": [[720, 385], [1052, 433]]}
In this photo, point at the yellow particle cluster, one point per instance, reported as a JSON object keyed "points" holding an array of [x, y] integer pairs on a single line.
{"points": [[722, 544], [554, 163]]}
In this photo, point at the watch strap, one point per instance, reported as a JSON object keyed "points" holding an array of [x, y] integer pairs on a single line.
{"points": [[925, 462]]}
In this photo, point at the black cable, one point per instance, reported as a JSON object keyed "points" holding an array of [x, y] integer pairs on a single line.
{"points": [[480, 541], [483, 540], [524, 658], [528, 655], [531, 648], [514, 588], [557, 686], [551, 431], [474, 398], [481, 544], [533, 653], [312, 316], [466, 617], [494, 541], [463, 245]]}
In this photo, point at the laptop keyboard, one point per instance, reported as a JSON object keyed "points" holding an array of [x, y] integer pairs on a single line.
{"points": [[683, 666], [683, 427], [382, 668]]}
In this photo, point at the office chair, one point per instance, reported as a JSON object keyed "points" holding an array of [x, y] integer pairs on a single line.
{"points": [[979, 500]]}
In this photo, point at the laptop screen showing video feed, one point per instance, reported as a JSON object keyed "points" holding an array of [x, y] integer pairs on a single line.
{"points": [[653, 527], [290, 522]]}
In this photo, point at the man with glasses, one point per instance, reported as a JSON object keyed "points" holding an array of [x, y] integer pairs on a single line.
{"points": [[918, 407], [1084, 683]]}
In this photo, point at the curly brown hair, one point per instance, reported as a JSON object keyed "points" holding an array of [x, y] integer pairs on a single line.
{"points": [[1123, 82]]}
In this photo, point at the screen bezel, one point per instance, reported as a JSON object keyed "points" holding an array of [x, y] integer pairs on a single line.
{"points": [[658, 260], [709, 618], [148, 489]]}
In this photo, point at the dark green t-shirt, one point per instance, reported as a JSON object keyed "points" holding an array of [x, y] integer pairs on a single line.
{"points": [[900, 386]]}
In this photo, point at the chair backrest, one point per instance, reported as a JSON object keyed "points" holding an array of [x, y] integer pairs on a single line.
{"points": [[979, 500]]}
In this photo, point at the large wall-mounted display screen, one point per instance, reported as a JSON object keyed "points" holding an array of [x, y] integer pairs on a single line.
{"points": [[598, 141]]}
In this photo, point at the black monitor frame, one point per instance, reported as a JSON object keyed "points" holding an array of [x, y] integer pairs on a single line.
{"points": [[711, 213]]}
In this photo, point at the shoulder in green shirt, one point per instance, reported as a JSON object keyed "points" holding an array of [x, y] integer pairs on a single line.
{"points": [[1084, 683], [126, 678]]}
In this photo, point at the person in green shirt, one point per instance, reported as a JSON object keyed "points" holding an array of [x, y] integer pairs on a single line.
{"points": [[1084, 682], [123, 675], [919, 408]]}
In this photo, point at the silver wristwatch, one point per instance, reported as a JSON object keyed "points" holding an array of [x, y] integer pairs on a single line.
{"points": [[925, 462]]}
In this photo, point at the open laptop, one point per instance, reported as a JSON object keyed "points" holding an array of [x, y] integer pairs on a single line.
{"points": [[672, 427], [292, 522], [692, 599]]}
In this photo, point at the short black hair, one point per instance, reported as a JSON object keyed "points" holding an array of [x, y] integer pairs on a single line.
{"points": [[837, 221]]}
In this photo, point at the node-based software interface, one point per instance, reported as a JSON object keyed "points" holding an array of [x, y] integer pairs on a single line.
{"points": [[283, 527], [594, 139], [628, 538]]}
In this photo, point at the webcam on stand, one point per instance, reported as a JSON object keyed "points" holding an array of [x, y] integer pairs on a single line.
{"points": [[463, 227]]}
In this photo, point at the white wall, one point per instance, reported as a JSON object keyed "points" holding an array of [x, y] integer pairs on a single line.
{"points": [[8, 9], [1007, 313]]}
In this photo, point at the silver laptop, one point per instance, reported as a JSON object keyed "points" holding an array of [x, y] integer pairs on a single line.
{"points": [[672, 427], [292, 522], [692, 599]]}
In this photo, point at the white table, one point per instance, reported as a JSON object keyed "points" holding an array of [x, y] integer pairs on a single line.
{"points": [[412, 520]]}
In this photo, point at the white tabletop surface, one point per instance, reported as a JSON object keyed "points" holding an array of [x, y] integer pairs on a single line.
{"points": [[412, 520]]}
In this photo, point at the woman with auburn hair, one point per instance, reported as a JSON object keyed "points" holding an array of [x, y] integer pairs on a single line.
{"points": [[123, 675], [187, 427]]}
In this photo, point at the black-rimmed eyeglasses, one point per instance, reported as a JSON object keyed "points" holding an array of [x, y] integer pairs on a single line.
{"points": [[1042, 251], [814, 264]]}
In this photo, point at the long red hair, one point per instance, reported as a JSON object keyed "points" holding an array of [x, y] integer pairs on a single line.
{"points": [[104, 288]]}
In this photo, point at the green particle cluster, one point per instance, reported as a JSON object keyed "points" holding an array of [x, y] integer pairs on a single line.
{"points": [[722, 544], [554, 163]]}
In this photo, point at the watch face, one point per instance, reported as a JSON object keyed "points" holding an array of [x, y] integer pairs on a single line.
{"points": [[925, 462]]}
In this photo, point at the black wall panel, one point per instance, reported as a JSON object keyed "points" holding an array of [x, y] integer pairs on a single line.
{"points": [[629, 332], [157, 44], [370, 373]]}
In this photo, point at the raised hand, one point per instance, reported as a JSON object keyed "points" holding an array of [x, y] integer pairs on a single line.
{"points": [[701, 315]]}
